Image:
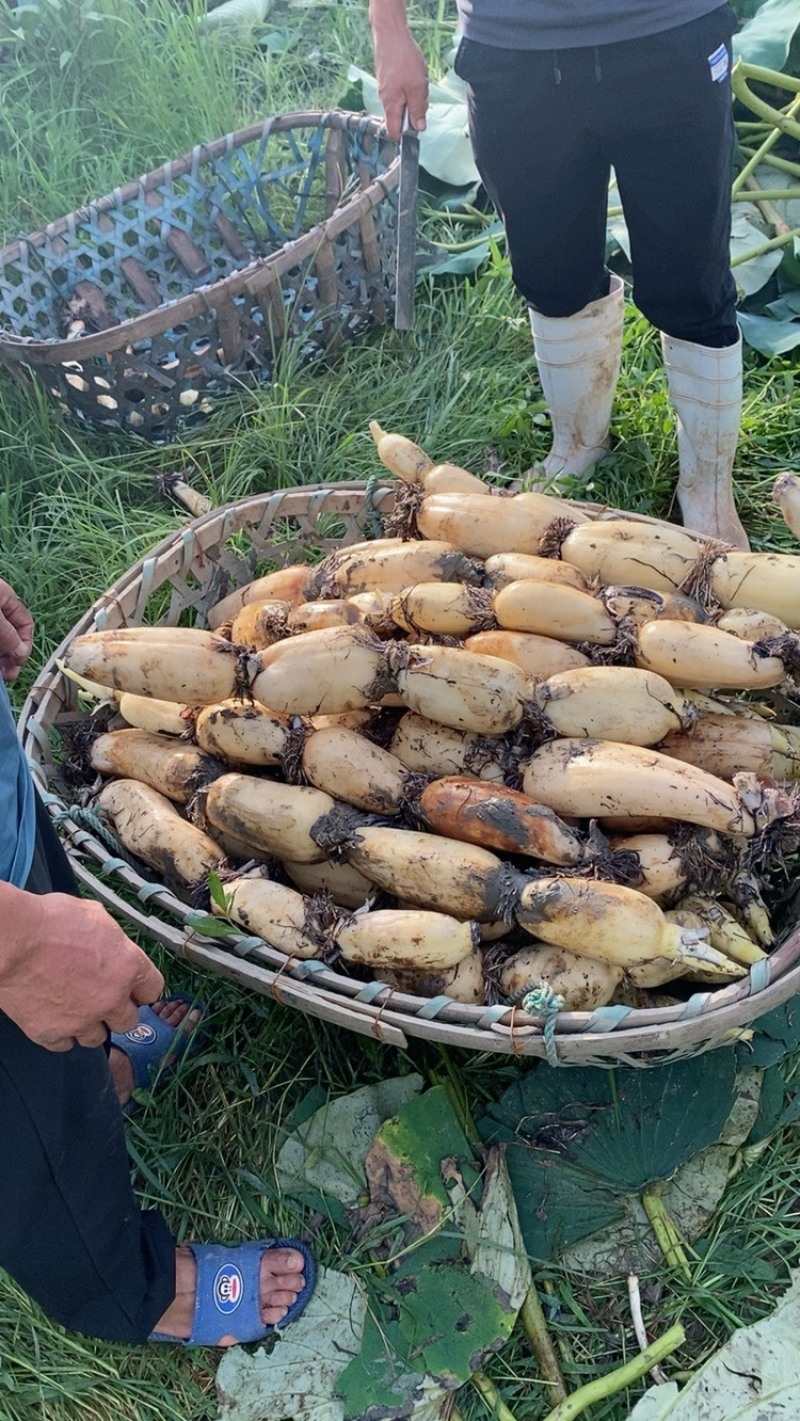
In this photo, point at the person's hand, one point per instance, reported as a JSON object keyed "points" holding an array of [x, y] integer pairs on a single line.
{"points": [[67, 970], [16, 633], [402, 76]]}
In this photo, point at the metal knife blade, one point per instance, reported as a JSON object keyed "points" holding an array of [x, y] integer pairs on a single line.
{"points": [[406, 269]]}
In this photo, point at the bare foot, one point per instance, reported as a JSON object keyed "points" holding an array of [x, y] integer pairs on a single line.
{"points": [[281, 1278], [173, 1014]]}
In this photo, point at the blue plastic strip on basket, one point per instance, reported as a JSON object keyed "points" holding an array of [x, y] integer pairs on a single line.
{"points": [[760, 975], [228, 524], [432, 1007], [189, 541], [372, 518], [148, 891], [242, 945], [696, 1006], [112, 865], [146, 585], [47, 798], [607, 1018], [309, 967], [492, 1015], [371, 991]]}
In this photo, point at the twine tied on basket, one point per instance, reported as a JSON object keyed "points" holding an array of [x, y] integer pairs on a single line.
{"points": [[541, 1000], [87, 819]]}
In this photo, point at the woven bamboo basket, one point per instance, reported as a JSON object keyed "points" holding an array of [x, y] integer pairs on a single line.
{"points": [[179, 580], [138, 310]]}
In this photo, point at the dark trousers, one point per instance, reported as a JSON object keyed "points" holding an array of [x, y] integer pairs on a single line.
{"points": [[71, 1232], [547, 126]]}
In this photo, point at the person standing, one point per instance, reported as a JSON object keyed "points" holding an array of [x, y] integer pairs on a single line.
{"points": [[559, 93]]}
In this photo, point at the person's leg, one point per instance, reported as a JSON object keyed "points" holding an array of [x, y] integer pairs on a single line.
{"points": [[71, 1231], [543, 163], [673, 157], [544, 167]]}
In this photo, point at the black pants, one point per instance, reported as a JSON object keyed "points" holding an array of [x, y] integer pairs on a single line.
{"points": [[547, 126], [71, 1232]]}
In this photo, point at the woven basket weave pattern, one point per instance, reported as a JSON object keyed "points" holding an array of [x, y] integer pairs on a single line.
{"points": [[138, 309], [182, 578]]}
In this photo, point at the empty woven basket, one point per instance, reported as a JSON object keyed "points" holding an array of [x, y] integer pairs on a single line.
{"points": [[140, 308]]}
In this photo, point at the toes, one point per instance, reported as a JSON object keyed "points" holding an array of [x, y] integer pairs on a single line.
{"points": [[282, 1281], [281, 1300], [271, 1317], [177, 1014], [282, 1260], [285, 1283]]}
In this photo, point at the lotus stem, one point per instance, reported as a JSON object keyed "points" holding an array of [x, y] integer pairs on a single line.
{"points": [[769, 246], [783, 165], [492, 1397], [781, 122], [664, 1229], [538, 1334], [617, 1380], [757, 194]]}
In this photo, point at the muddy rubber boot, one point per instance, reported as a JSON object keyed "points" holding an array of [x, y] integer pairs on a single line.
{"points": [[705, 390], [578, 358]]}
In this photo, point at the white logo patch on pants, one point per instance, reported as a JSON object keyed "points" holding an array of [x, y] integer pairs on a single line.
{"points": [[718, 64]]}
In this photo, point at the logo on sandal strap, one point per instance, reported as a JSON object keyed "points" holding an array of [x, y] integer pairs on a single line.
{"points": [[141, 1033], [228, 1288]]}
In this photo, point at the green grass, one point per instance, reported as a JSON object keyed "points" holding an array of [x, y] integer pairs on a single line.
{"points": [[86, 103]]}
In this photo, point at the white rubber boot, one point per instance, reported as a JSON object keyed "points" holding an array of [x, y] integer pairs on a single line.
{"points": [[578, 358], [705, 388]]}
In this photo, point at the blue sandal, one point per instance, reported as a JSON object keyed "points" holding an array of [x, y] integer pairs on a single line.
{"points": [[227, 1295], [152, 1041]]}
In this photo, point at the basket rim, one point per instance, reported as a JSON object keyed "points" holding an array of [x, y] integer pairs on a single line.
{"points": [[252, 277], [604, 1030]]}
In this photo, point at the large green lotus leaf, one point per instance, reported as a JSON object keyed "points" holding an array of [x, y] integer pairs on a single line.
{"points": [[380, 1384], [237, 14], [456, 1290], [296, 1380], [558, 1204], [327, 1151], [779, 1105], [754, 1377], [747, 234], [449, 1320], [659, 1119], [404, 1166], [690, 1197], [777, 1032], [580, 1140], [766, 38]]}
